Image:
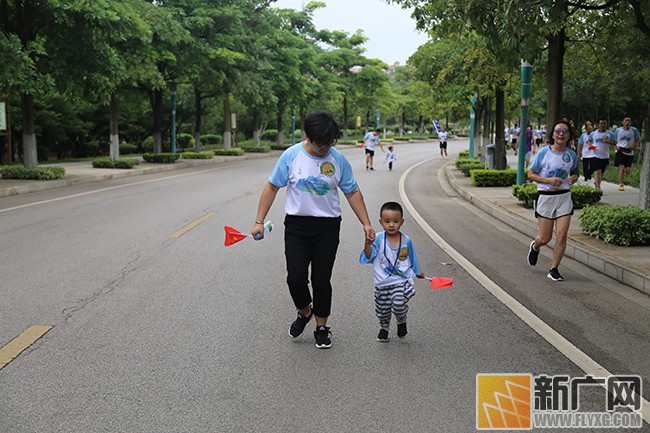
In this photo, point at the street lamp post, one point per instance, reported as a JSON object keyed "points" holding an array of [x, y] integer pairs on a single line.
{"points": [[526, 90], [173, 87], [472, 117]]}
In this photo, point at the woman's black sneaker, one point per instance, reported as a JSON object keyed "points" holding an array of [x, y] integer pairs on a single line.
{"points": [[383, 335], [299, 324], [322, 335], [532, 254], [554, 275]]}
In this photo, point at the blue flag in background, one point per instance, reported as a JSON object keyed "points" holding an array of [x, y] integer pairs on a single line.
{"points": [[436, 126]]}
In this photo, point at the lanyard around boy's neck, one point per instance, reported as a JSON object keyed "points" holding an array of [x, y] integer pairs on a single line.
{"points": [[398, 250]]}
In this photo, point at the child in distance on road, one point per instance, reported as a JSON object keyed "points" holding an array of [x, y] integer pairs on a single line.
{"points": [[390, 157], [395, 262]]}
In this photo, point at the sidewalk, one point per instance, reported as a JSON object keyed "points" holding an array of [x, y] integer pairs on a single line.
{"points": [[629, 265]]}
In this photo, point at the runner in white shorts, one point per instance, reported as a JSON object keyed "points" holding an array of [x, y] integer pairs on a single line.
{"points": [[554, 169]]}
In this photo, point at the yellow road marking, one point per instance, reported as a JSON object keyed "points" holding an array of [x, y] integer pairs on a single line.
{"points": [[180, 232], [22, 342]]}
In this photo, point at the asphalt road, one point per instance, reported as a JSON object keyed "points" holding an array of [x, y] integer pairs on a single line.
{"points": [[153, 333]]}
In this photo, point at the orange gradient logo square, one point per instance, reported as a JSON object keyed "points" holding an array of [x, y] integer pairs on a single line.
{"points": [[504, 401]]}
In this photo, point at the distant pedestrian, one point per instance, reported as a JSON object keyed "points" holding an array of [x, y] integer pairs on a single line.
{"points": [[390, 157], [600, 140], [627, 138], [371, 140], [313, 171], [443, 135], [395, 263], [585, 150], [554, 169], [514, 136]]}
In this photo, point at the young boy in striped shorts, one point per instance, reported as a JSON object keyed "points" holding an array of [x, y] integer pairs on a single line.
{"points": [[395, 262]]}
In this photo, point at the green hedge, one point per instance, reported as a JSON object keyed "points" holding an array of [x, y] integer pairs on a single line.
{"points": [[466, 166], [164, 158], [581, 195], [231, 152], [621, 225], [494, 177], [126, 148], [197, 155], [256, 149], [401, 138], [120, 163], [38, 173], [184, 140], [211, 139]]}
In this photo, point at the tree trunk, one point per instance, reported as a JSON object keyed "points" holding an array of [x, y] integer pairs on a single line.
{"points": [[30, 152], [227, 127], [644, 186], [302, 123], [198, 114], [114, 150], [402, 121], [500, 161], [279, 120], [256, 127], [156, 106], [345, 117], [554, 78]]}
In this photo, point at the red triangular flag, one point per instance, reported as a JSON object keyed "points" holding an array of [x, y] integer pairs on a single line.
{"points": [[233, 236], [441, 283]]}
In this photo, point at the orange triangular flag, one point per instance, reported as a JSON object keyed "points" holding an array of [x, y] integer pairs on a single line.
{"points": [[441, 283], [233, 236]]}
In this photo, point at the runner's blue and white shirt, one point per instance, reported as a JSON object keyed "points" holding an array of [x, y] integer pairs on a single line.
{"points": [[370, 140], [312, 181], [392, 265], [552, 164], [626, 138]]}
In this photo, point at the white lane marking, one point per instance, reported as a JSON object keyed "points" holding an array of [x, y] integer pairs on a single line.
{"points": [[100, 190], [568, 349]]}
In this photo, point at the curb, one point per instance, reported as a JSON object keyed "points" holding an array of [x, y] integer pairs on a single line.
{"points": [[608, 266]]}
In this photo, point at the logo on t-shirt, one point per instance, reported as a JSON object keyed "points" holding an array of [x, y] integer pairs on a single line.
{"points": [[327, 169]]}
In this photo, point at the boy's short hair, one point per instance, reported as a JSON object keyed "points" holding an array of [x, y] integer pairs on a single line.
{"points": [[391, 205], [377, 129], [390, 147], [321, 128]]}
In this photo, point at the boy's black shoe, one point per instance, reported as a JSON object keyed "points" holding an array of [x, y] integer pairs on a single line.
{"points": [[532, 254], [322, 335], [299, 324], [383, 336], [401, 330], [554, 275]]}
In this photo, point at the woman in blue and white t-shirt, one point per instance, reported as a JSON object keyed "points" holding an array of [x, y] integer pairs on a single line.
{"points": [[554, 169], [313, 171]]}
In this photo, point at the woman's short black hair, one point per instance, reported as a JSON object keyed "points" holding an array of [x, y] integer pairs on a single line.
{"points": [[321, 128]]}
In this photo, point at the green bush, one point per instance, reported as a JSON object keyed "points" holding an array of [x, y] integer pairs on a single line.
{"points": [[581, 195], [146, 145], [472, 164], [401, 138], [211, 139], [231, 152], [38, 173], [282, 147], [621, 225], [184, 140], [585, 195], [197, 155], [463, 154], [126, 148], [163, 158], [120, 163], [256, 149], [494, 177], [270, 134]]}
